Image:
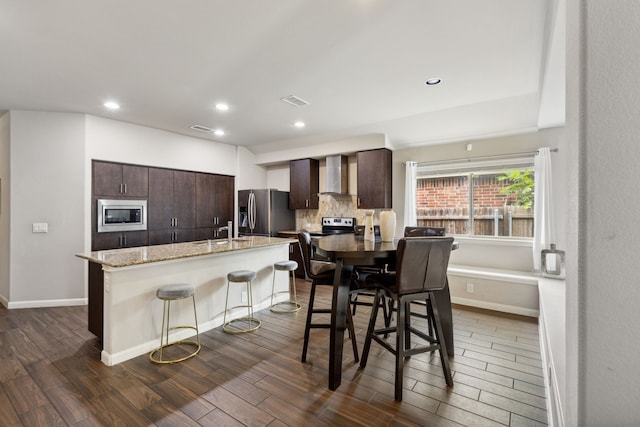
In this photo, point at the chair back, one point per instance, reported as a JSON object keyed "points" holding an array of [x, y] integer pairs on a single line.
{"points": [[313, 268], [304, 240], [424, 231], [422, 263]]}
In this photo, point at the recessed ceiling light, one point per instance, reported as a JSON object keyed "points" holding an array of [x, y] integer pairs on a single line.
{"points": [[111, 105], [299, 124], [433, 81], [222, 106], [218, 132]]}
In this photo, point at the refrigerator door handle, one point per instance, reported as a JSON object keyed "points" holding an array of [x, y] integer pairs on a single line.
{"points": [[252, 211]]}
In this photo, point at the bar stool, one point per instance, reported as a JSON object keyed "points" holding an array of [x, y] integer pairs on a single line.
{"points": [[290, 306], [247, 277], [167, 294]]}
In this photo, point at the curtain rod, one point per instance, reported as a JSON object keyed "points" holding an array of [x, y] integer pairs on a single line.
{"points": [[495, 156]]}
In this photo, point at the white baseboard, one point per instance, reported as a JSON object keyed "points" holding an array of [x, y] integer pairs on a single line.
{"points": [[495, 306], [45, 303]]}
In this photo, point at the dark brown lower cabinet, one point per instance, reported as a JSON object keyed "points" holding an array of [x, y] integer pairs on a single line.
{"points": [[206, 233], [96, 299], [128, 239], [172, 235]]}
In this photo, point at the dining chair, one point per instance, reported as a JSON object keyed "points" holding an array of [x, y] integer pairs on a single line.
{"points": [[426, 231], [421, 269], [360, 273], [320, 273]]}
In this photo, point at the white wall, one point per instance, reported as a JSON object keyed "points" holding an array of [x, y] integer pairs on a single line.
{"points": [[278, 177], [127, 143], [47, 182], [603, 290], [5, 179], [250, 175]]}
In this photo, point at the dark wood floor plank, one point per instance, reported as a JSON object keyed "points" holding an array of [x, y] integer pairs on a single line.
{"points": [[241, 388], [8, 414], [45, 415], [112, 409], [164, 414], [69, 403], [288, 414], [219, 418], [24, 394], [46, 374], [11, 368], [237, 408], [194, 406]]}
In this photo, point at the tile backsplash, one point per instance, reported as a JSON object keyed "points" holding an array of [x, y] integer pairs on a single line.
{"points": [[331, 205]]}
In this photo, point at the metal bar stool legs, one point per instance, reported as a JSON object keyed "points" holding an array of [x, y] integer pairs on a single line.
{"points": [[167, 294], [241, 324], [291, 305]]}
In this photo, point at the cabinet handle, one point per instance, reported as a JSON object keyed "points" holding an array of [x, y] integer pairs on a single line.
{"points": [[176, 223], [125, 188], [124, 239], [358, 201], [306, 203], [120, 189]]}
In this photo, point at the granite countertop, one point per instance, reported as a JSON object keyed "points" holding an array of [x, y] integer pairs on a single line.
{"points": [[149, 254]]}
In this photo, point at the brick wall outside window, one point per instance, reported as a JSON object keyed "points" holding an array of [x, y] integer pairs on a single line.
{"points": [[444, 202]]}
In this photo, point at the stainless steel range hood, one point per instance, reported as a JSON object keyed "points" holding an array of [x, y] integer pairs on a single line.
{"points": [[337, 168]]}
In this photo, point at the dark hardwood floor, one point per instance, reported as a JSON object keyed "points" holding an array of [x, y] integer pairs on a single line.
{"points": [[51, 375]]}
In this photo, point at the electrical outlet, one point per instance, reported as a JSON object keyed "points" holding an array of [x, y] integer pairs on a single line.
{"points": [[470, 288], [243, 296]]}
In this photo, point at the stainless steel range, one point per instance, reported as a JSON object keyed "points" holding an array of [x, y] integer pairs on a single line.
{"points": [[337, 225]]}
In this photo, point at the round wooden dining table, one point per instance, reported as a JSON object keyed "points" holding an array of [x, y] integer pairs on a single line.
{"points": [[347, 250]]}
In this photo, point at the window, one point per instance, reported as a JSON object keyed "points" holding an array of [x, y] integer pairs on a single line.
{"points": [[478, 199]]}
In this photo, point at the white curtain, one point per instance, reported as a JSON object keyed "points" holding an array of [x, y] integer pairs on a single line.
{"points": [[544, 232], [410, 214]]}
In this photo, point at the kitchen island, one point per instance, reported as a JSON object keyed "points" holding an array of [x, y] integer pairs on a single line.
{"points": [[125, 313]]}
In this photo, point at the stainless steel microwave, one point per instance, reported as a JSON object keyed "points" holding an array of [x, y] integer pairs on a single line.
{"points": [[121, 215]]}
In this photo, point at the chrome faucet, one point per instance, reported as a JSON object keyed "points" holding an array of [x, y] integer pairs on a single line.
{"points": [[229, 228]]}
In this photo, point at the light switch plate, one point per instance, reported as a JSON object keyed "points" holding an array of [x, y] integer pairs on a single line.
{"points": [[39, 227]]}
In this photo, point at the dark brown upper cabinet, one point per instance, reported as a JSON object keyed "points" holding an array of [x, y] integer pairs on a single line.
{"points": [[374, 179], [172, 205], [119, 180], [304, 184], [214, 203]]}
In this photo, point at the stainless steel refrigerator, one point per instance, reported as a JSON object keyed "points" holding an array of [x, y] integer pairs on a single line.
{"points": [[264, 212]]}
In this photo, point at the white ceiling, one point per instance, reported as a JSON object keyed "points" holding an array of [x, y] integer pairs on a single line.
{"points": [[360, 63]]}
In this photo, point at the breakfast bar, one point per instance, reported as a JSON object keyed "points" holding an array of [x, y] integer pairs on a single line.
{"points": [[124, 312]]}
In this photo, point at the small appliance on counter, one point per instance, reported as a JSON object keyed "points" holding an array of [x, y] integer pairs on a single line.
{"points": [[264, 212]]}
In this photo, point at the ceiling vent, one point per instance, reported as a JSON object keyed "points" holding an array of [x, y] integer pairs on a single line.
{"points": [[294, 100], [201, 128]]}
